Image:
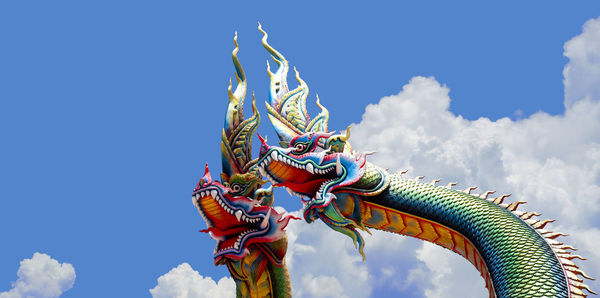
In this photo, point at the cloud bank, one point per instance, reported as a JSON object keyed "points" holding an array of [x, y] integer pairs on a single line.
{"points": [[41, 276], [583, 70]]}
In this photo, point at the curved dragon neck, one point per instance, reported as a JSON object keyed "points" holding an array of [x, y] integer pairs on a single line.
{"points": [[256, 276], [513, 254]]}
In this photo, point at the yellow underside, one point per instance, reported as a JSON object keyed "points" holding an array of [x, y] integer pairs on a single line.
{"points": [[383, 218], [251, 277]]}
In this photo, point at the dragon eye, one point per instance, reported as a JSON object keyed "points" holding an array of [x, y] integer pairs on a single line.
{"points": [[300, 147], [236, 187]]}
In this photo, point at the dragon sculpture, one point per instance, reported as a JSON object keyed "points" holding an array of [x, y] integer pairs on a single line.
{"points": [[250, 234], [515, 255]]}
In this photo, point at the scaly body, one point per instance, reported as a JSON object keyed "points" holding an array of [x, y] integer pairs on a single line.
{"points": [[511, 255]]}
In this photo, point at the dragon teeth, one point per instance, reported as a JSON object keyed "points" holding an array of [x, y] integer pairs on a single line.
{"points": [[213, 193], [265, 221], [338, 166], [238, 214]]}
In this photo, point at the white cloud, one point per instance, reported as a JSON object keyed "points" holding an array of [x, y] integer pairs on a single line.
{"points": [[325, 263], [322, 286], [316, 248], [442, 267], [582, 72], [41, 276], [185, 282]]}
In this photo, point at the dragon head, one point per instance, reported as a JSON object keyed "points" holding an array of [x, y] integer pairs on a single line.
{"points": [[313, 166], [238, 221], [312, 162], [238, 213]]}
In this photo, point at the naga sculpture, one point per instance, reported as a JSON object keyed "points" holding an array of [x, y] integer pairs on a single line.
{"points": [[250, 234], [511, 249]]}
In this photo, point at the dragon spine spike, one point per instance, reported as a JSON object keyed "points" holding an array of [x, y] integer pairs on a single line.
{"points": [[434, 181], [573, 276], [500, 199], [580, 285], [542, 224], [515, 205], [553, 242], [528, 215], [552, 235], [580, 272], [470, 189], [570, 257], [564, 247], [486, 194], [419, 178], [449, 185], [567, 262]]}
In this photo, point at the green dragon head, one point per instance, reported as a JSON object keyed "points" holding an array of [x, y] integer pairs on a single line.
{"points": [[238, 213]]}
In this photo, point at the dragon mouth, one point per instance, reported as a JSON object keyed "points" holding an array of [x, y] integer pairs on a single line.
{"points": [[316, 176], [235, 226], [303, 177]]}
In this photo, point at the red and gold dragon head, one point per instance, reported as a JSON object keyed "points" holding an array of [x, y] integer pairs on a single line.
{"points": [[238, 213]]}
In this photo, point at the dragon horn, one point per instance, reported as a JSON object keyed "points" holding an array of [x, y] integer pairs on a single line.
{"points": [[262, 140], [235, 109], [236, 139], [279, 78], [346, 136], [287, 109], [206, 176], [319, 123]]}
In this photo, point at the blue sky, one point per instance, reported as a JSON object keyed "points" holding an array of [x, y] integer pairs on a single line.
{"points": [[110, 110]]}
